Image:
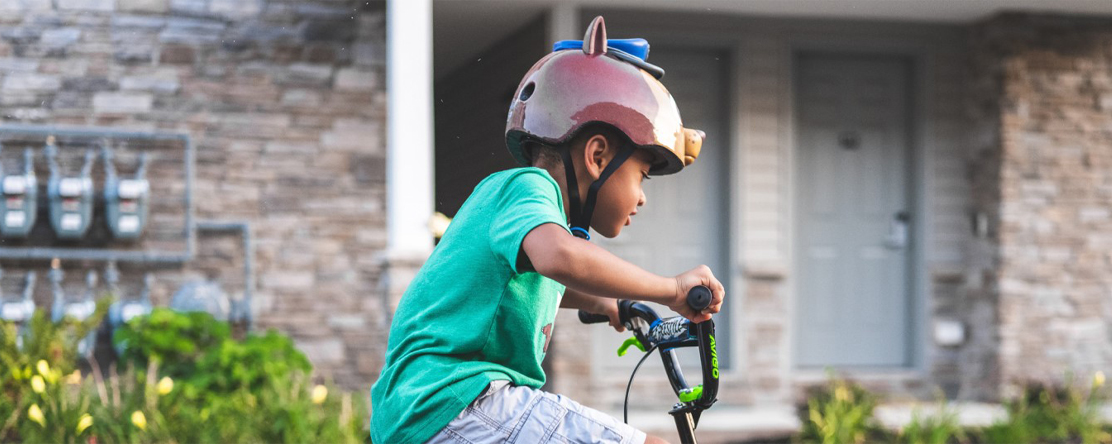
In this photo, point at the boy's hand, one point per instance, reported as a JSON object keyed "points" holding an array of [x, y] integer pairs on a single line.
{"points": [[609, 307], [700, 275]]}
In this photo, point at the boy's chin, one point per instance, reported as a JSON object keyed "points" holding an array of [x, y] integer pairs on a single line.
{"points": [[609, 233]]}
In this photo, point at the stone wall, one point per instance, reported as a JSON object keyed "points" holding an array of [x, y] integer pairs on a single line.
{"points": [[1044, 106], [285, 102]]}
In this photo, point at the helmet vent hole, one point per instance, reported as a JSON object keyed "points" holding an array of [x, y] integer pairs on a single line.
{"points": [[527, 92]]}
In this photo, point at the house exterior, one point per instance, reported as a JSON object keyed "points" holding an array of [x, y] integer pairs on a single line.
{"points": [[915, 194]]}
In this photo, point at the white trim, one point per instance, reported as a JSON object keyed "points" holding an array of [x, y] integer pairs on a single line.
{"points": [[563, 22], [409, 131], [739, 359], [923, 11]]}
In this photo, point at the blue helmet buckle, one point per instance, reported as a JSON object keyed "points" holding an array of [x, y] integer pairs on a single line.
{"points": [[635, 51]]}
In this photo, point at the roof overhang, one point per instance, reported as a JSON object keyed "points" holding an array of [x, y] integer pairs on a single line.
{"points": [[463, 25]]}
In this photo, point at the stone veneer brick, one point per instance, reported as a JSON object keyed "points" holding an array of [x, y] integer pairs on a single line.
{"points": [[286, 107], [1044, 165]]}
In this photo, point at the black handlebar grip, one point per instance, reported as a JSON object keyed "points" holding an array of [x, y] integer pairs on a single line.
{"points": [[699, 298], [591, 318]]}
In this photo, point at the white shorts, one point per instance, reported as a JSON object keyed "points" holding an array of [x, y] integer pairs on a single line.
{"points": [[516, 414]]}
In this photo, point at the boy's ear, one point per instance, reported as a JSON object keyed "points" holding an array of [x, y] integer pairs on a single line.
{"points": [[597, 154]]}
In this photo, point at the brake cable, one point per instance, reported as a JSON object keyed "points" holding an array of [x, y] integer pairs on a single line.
{"points": [[625, 405]]}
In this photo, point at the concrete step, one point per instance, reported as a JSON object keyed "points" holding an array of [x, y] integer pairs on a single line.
{"points": [[723, 424], [777, 424]]}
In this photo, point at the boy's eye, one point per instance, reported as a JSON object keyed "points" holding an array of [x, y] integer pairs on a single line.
{"points": [[645, 176]]}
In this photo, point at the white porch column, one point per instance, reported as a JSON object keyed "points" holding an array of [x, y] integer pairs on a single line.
{"points": [[409, 138], [563, 22], [409, 147]]}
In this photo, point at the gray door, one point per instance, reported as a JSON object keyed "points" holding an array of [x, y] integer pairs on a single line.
{"points": [[853, 220], [684, 221]]}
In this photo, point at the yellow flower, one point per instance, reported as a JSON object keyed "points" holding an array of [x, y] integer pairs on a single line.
{"points": [[43, 367], [438, 224], [1098, 379], [74, 378], [84, 422], [841, 394], [35, 413], [320, 392], [37, 384], [139, 419], [165, 385]]}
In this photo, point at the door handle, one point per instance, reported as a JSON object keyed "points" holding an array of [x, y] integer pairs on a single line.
{"points": [[898, 231]]}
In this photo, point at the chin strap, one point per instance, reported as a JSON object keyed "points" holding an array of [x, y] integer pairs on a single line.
{"points": [[581, 214]]}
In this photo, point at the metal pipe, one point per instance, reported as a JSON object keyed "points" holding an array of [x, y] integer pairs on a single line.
{"points": [[244, 228], [89, 132], [88, 254]]}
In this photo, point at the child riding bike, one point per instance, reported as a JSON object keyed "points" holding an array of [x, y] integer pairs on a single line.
{"points": [[463, 362]]}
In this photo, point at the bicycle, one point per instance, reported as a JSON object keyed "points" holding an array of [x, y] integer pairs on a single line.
{"points": [[668, 335]]}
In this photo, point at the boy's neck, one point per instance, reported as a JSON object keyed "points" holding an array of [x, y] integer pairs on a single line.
{"points": [[557, 173]]}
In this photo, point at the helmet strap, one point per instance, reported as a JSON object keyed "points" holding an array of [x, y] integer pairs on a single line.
{"points": [[581, 215]]}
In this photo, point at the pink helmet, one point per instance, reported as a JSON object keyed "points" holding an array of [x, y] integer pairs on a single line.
{"points": [[568, 89]]}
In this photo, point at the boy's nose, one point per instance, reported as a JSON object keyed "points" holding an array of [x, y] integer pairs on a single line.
{"points": [[641, 202]]}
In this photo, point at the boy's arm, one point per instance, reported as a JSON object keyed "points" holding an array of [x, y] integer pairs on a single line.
{"points": [[593, 304], [583, 266]]}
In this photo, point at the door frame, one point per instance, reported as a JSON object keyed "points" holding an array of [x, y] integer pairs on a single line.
{"points": [[917, 58]]}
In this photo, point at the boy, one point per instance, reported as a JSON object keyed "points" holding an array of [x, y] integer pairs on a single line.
{"points": [[463, 362]]}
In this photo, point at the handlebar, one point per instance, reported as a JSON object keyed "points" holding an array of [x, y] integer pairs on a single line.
{"points": [[668, 334], [591, 318], [698, 299]]}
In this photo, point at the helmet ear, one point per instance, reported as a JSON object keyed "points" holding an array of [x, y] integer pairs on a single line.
{"points": [[693, 144], [594, 41]]}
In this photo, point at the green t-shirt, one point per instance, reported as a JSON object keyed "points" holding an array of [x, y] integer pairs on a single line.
{"points": [[470, 316]]}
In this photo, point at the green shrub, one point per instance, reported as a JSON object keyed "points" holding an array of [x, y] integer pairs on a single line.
{"points": [[36, 406], [840, 412], [254, 390], [1047, 413], [175, 340], [936, 429], [252, 365], [183, 380]]}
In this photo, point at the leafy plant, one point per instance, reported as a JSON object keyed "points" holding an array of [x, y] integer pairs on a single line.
{"points": [[255, 390], [1053, 414], [940, 428], [34, 403], [175, 340], [249, 365], [840, 412], [184, 380]]}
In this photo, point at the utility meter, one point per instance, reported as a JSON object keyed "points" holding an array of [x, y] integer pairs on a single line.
{"points": [[124, 309], [126, 199], [19, 312], [78, 309], [71, 198], [201, 295], [21, 191]]}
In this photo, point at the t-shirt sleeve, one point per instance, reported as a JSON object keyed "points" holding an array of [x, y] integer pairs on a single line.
{"points": [[527, 201]]}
